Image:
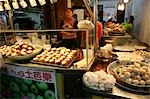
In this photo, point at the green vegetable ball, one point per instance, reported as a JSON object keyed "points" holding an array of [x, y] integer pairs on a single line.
{"points": [[31, 96], [39, 97], [49, 94], [14, 87], [42, 86], [28, 82], [24, 88], [34, 89]]}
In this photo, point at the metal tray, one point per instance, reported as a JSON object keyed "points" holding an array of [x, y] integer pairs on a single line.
{"points": [[56, 65], [122, 84]]}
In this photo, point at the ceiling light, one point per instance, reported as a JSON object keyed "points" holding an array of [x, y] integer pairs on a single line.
{"points": [[7, 6], [33, 3], [42, 2], [23, 3], [121, 6], [126, 1], [15, 4]]}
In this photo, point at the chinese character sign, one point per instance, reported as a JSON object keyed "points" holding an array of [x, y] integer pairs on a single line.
{"points": [[32, 74]]}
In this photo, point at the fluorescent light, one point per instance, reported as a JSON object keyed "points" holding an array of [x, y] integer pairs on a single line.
{"points": [[33, 3], [121, 6], [42, 2], [126, 1], [15, 4], [23, 3], [7, 6]]}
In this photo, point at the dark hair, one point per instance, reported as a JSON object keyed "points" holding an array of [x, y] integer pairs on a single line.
{"points": [[69, 9]]}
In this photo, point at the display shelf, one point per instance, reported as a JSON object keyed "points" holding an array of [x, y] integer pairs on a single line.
{"points": [[125, 36]]}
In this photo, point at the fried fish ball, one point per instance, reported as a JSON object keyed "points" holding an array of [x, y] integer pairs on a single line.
{"points": [[137, 65], [148, 82], [129, 80], [136, 70], [23, 53], [142, 71], [142, 82], [145, 68], [119, 70], [136, 82], [138, 77], [129, 69], [145, 77], [122, 77], [133, 74], [127, 74]]}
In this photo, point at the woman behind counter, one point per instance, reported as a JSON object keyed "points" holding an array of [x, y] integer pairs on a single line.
{"points": [[69, 39]]}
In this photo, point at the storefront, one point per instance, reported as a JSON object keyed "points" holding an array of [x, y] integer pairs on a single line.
{"points": [[36, 64]]}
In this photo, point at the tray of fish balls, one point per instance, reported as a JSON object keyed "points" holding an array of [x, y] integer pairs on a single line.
{"points": [[58, 57], [133, 75], [22, 50]]}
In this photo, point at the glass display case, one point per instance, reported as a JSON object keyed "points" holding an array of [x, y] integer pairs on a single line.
{"points": [[48, 39], [57, 77]]}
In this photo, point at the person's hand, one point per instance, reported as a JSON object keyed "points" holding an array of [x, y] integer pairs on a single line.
{"points": [[65, 25], [70, 27]]}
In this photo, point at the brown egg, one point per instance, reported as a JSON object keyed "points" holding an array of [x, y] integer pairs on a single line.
{"points": [[51, 61], [57, 56], [64, 63], [54, 58], [14, 54], [23, 50], [63, 57], [57, 61], [57, 52], [46, 60], [58, 49], [41, 59], [68, 50], [38, 56], [53, 49], [51, 52]]}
